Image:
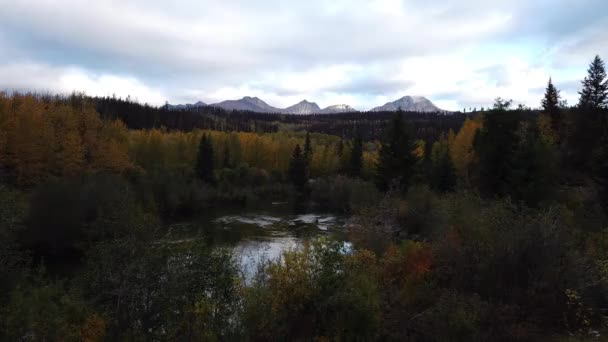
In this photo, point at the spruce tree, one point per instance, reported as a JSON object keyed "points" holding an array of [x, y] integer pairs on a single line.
{"points": [[204, 161], [443, 172], [531, 177], [590, 120], [396, 160], [495, 145], [594, 94], [297, 168], [340, 147], [307, 153], [551, 107], [227, 163], [356, 157]]}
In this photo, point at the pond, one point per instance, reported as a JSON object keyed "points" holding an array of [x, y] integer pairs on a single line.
{"points": [[261, 234]]}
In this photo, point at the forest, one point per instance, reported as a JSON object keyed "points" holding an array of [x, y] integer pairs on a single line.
{"points": [[483, 226]]}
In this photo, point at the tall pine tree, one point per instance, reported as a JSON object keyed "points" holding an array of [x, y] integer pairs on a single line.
{"points": [[590, 120], [443, 173], [495, 145], [308, 153], [204, 160], [396, 159], [297, 168], [356, 157], [594, 94], [551, 107]]}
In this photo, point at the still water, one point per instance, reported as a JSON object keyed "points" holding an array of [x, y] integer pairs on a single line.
{"points": [[261, 234]]}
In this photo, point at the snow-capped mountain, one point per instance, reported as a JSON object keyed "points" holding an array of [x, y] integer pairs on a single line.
{"points": [[409, 104], [304, 107], [341, 108], [253, 104]]}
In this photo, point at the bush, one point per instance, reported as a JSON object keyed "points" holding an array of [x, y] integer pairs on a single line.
{"points": [[315, 292], [343, 194], [162, 291], [67, 215]]}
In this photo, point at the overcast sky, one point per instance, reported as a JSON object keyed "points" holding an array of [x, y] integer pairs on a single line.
{"points": [[458, 53]]}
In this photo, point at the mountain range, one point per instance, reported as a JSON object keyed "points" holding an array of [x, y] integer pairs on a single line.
{"points": [[254, 104]]}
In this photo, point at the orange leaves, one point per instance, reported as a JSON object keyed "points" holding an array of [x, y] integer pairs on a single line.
{"points": [[462, 150], [93, 329], [410, 262], [39, 139]]}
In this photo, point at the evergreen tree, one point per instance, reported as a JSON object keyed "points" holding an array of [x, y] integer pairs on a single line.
{"points": [[396, 160], [227, 162], [495, 145], [443, 172], [594, 94], [307, 149], [551, 107], [204, 160], [340, 148], [532, 173], [297, 168], [590, 119], [356, 157]]}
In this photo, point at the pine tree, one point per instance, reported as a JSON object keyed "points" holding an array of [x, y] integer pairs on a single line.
{"points": [[297, 168], [396, 160], [594, 94], [356, 157], [495, 145], [204, 160], [551, 107], [533, 168], [340, 147], [227, 162], [307, 149], [590, 121], [443, 173]]}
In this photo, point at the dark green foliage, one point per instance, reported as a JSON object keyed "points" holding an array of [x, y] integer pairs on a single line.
{"points": [[356, 158], [159, 290], [340, 147], [66, 216], [297, 168], [443, 174], [496, 144], [13, 260], [396, 161], [591, 117], [307, 150], [330, 298], [48, 311], [533, 175], [204, 160], [343, 194], [227, 163]]}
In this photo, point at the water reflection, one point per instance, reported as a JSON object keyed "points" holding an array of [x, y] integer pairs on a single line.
{"points": [[259, 235]]}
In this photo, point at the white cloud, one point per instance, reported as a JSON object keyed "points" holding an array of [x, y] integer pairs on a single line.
{"points": [[360, 52], [45, 78]]}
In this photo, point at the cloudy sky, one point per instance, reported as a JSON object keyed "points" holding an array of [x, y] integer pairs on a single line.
{"points": [[457, 53]]}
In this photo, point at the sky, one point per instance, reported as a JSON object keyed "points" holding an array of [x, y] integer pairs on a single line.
{"points": [[458, 54]]}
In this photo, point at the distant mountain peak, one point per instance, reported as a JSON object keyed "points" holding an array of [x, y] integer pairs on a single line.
{"points": [[302, 107], [254, 104], [340, 108], [409, 104]]}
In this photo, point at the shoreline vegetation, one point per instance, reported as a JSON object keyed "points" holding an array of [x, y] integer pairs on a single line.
{"points": [[486, 226]]}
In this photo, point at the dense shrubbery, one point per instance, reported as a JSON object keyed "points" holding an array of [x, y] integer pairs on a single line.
{"points": [[343, 194]]}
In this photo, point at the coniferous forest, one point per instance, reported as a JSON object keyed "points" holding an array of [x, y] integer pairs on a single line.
{"points": [[483, 226]]}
